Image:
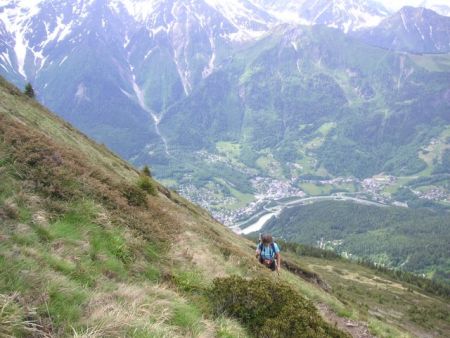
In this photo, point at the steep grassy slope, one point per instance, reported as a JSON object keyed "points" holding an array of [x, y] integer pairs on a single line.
{"points": [[85, 252], [377, 298]]}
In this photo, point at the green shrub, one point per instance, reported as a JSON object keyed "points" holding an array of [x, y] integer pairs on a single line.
{"points": [[146, 171], [29, 91], [146, 184], [135, 196], [268, 308]]}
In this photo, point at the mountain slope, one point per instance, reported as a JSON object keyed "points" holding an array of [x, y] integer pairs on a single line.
{"points": [[314, 101], [78, 245], [381, 298], [147, 55], [344, 15], [440, 7], [416, 30], [84, 251], [234, 123], [144, 55]]}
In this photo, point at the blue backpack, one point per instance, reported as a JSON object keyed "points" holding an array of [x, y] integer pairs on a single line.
{"points": [[272, 247]]}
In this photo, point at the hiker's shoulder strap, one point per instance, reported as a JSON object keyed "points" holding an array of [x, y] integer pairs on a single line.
{"points": [[275, 247], [272, 246]]}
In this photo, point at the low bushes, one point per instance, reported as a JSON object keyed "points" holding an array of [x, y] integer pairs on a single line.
{"points": [[268, 308], [135, 196], [146, 184]]}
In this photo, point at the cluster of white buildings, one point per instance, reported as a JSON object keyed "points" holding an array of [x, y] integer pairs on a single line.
{"points": [[435, 194]]}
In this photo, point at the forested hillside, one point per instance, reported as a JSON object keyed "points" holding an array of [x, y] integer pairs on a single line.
{"points": [[392, 237]]}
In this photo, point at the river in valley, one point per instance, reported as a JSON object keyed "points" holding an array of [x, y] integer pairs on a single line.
{"points": [[274, 208]]}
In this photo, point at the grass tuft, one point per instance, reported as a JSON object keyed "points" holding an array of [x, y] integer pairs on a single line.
{"points": [[13, 322], [189, 281], [65, 306], [187, 316]]}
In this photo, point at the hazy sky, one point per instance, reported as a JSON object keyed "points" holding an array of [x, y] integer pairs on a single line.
{"points": [[397, 4]]}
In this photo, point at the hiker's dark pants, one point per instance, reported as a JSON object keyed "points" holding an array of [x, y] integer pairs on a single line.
{"points": [[272, 266]]}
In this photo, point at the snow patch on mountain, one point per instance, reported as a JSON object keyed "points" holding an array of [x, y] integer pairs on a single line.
{"points": [[348, 15], [63, 60], [59, 33], [235, 11], [81, 93], [288, 17], [33, 26], [17, 18], [140, 10], [210, 68], [402, 15], [250, 20], [6, 59], [365, 19], [442, 7]]}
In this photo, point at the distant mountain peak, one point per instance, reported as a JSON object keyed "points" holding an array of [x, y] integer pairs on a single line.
{"points": [[248, 21], [412, 29], [347, 15]]}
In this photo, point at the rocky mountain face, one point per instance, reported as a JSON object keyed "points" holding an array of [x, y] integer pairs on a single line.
{"points": [[416, 30], [345, 15], [316, 90], [142, 56], [440, 7]]}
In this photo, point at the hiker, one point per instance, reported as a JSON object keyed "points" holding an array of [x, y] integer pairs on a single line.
{"points": [[268, 253]]}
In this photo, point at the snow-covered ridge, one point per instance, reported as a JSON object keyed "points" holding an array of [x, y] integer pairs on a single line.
{"points": [[249, 20], [442, 7], [140, 10], [31, 28], [32, 25], [16, 17], [347, 15]]}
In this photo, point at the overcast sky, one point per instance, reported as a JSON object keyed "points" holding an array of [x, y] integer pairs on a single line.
{"points": [[397, 4]]}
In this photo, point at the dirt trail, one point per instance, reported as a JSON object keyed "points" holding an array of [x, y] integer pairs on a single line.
{"points": [[354, 328]]}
